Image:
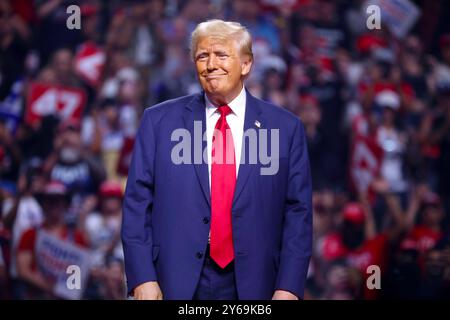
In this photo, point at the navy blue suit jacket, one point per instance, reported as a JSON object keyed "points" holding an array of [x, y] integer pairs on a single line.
{"points": [[166, 209]]}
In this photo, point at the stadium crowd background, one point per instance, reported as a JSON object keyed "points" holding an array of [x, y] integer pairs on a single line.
{"points": [[375, 105]]}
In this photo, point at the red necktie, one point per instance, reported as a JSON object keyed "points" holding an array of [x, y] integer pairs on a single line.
{"points": [[223, 182]]}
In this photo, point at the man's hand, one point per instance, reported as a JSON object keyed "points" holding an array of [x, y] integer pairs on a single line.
{"points": [[284, 295], [148, 291]]}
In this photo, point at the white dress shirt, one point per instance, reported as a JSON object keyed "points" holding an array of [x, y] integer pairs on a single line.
{"points": [[236, 122]]}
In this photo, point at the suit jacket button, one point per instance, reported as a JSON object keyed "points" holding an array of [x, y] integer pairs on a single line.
{"points": [[205, 220], [199, 255]]}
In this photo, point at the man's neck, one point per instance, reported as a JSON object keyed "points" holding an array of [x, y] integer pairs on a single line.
{"points": [[220, 100]]}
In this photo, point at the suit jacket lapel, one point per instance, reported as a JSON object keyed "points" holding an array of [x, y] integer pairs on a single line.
{"points": [[252, 115], [195, 113]]}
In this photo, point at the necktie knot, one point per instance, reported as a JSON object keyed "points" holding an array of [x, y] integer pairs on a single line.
{"points": [[224, 110]]}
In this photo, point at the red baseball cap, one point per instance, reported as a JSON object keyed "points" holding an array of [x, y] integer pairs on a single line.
{"points": [[55, 188], [111, 188], [368, 42], [354, 213], [408, 244], [88, 10]]}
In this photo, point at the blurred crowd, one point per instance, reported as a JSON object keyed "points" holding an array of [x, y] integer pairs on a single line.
{"points": [[376, 109]]}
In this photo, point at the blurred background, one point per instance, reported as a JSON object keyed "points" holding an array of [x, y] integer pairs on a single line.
{"points": [[375, 104]]}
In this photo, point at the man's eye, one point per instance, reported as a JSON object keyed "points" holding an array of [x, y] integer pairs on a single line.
{"points": [[201, 57]]}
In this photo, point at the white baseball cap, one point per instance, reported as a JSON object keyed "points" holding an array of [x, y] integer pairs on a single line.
{"points": [[388, 98]]}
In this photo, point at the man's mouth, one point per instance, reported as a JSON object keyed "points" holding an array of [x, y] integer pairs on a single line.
{"points": [[213, 76]]}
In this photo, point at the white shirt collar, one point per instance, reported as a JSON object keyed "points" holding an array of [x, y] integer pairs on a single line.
{"points": [[237, 105]]}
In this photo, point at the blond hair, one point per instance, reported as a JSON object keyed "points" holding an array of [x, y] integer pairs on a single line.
{"points": [[223, 29]]}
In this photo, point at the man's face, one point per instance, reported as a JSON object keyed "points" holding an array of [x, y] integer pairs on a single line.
{"points": [[62, 62], [433, 215], [220, 67], [54, 207], [111, 205], [71, 149]]}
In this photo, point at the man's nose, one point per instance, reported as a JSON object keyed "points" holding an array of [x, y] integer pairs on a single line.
{"points": [[211, 63]]}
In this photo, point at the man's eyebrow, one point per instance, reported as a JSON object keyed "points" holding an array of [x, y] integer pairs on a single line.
{"points": [[201, 53], [220, 52]]}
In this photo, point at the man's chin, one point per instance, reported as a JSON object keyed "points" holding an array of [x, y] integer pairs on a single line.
{"points": [[217, 92]]}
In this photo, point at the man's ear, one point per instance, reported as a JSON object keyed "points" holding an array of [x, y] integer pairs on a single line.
{"points": [[246, 65]]}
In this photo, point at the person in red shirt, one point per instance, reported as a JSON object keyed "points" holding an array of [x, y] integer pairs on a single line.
{"points": [[423, 232], [354, 241], [55, 201], [357, 241]]}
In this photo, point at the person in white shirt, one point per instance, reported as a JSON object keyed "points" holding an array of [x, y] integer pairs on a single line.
{"points": [[23, 212]]}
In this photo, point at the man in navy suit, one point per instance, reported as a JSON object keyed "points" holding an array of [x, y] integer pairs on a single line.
{"points": [[218, 197]]}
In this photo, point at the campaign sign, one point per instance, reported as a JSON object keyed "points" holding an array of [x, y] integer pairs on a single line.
{"points": [[365, 164], [54, 259], [89, 63], [44, 99], [399, 15]]}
